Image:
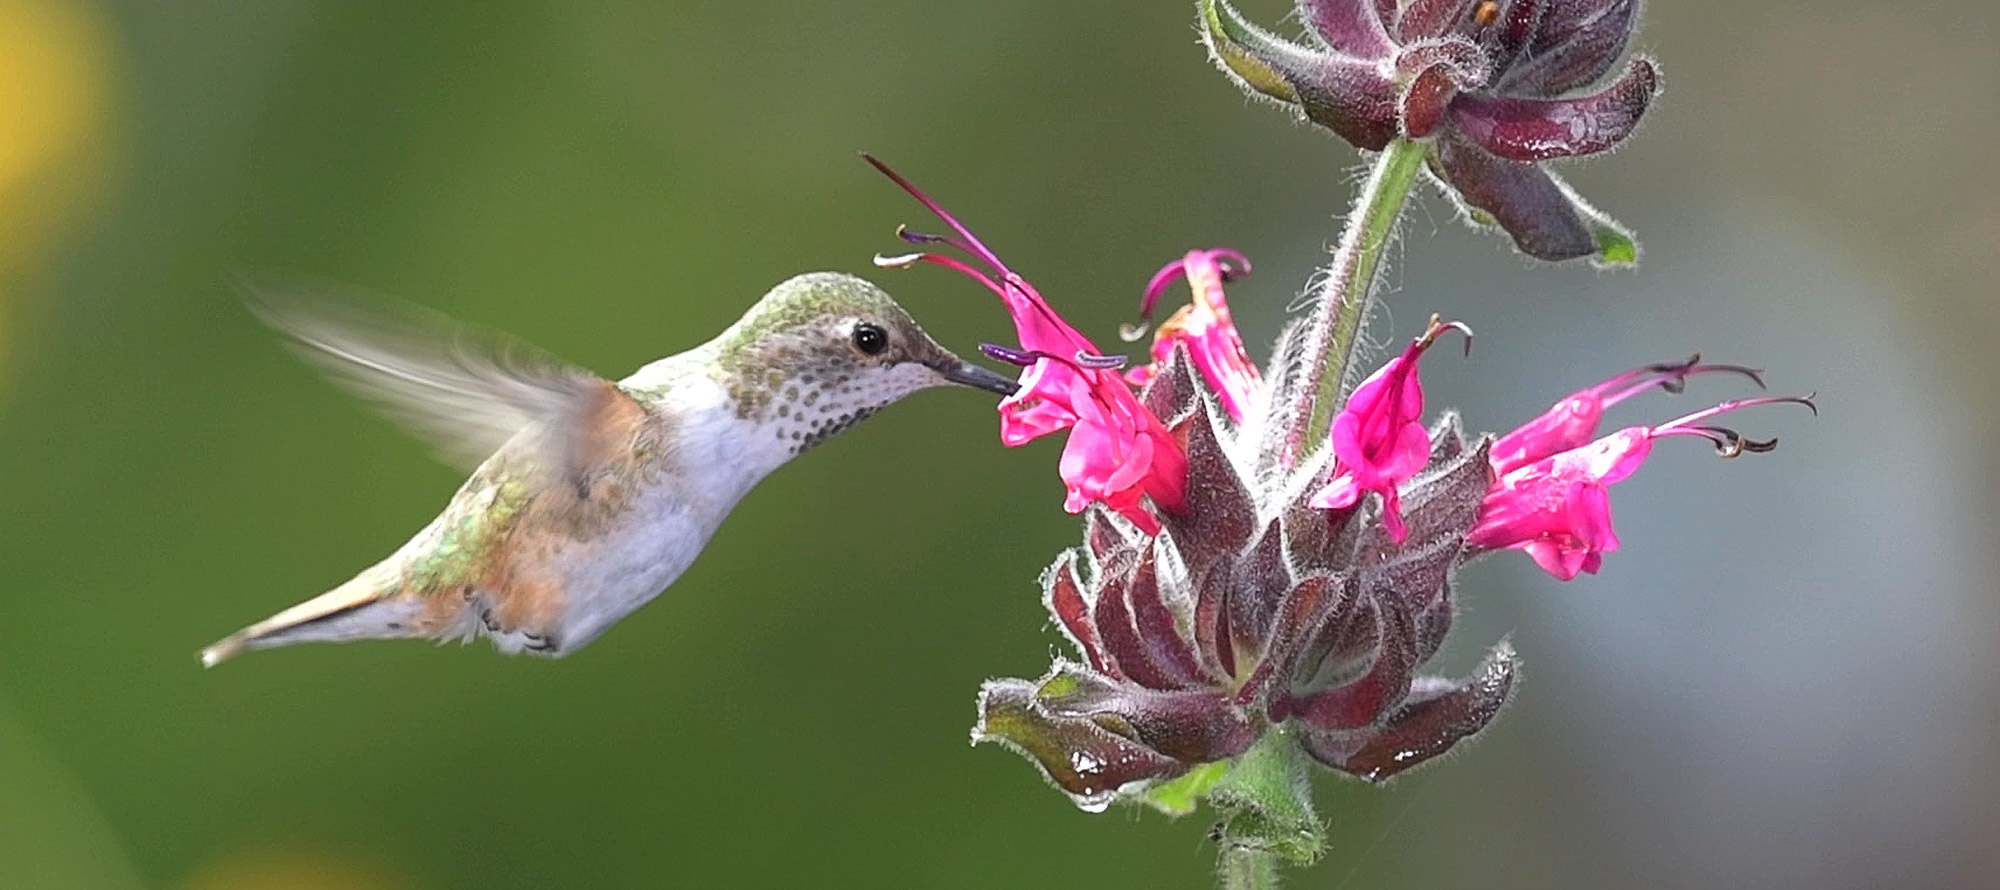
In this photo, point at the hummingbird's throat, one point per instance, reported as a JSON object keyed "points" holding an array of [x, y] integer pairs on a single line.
{"points": [[824, 428], [810, 408]]}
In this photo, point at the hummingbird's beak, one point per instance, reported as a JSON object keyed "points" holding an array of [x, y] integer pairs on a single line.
{"points": [[964, 373]]}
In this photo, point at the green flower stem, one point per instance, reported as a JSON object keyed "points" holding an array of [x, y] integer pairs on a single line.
{"points": [[1246, 869], [1267, 815], [1346, 290]]}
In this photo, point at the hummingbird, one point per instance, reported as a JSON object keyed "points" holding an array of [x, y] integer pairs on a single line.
{"points": [[588, 498]]}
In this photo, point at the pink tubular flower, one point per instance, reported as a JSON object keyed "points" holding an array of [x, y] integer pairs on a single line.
{"points": [[1572, 422], [1379, 440], [1205, 327], [1557, 508], [1117, 450]]}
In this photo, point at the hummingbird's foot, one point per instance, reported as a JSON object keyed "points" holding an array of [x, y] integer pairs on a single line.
{"points": [[514, 640]]}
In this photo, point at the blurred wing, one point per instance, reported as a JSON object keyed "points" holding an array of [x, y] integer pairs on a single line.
{"points": [[465, 390]]}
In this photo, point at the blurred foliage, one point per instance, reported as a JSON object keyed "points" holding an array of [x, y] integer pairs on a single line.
{"points": [[296, 868], [51, 835]]}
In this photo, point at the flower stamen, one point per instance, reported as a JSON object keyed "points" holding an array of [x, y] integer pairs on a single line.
{"points": [[971, 243], [1026, 358], [1438, 327], [1668, 376], [914, 237], [905, 261], [1728, 442], [1736, 405]]}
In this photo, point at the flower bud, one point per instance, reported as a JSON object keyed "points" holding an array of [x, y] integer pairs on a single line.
{"points": [[1491, 85]]}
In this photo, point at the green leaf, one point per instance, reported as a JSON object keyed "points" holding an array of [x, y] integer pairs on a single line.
{"points": [[1180, 796], [1244, 50], [1615, 244]]}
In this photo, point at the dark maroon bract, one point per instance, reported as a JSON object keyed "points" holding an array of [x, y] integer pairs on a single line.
{"points": [[1496, 88]]}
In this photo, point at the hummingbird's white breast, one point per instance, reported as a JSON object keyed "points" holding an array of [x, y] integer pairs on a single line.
{"points": [[713, 458]]}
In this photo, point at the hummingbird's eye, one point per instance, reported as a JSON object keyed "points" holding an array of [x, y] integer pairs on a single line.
{"points": [[870, 339]]}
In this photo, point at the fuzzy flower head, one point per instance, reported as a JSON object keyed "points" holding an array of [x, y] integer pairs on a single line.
{"points": [[1306, 593], [1250, 610], [1235, 588], [1495, 86]]}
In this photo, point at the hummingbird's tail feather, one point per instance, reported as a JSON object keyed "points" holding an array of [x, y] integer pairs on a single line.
{"points": [[364, 608]]}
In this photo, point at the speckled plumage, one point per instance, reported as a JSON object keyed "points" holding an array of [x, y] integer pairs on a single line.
{"points": [[592, 497]]}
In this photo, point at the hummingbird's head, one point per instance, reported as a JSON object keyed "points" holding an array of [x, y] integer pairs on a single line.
{"points": [[824, 350]]}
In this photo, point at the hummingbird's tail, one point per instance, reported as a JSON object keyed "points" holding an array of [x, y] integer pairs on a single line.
{"points": [[364, 608]]}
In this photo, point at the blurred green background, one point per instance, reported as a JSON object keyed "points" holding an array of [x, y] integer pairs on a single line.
{"points": [[1786, 679]]}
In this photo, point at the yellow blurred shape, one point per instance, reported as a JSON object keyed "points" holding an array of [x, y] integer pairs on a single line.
{"points": [[284, 868], [55, 58]]}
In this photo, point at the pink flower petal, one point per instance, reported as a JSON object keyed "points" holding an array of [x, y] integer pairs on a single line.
{"points": [[1337, 495], [1204, 325], [1378, 438], [1558, 509], [1118, 453]]}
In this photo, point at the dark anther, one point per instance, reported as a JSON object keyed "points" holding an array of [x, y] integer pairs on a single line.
{"points": [[1438, 326], [1100, 362], [1009, 355], [1730, 443], [1756, 375], [904, 233], [1676, 373], [1026, 357], [1675, 367]]}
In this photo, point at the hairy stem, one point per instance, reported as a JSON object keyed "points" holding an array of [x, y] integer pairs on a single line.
{"points": [[1245, 869], [1266, 803], [1346, 288]]}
